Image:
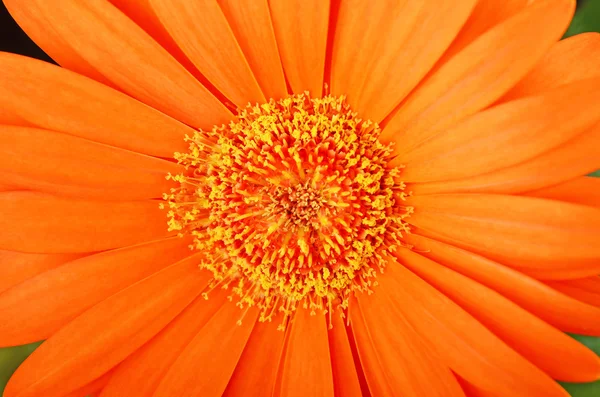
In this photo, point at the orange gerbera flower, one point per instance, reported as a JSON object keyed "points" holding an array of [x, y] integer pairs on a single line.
{"points": [[300, 197]]}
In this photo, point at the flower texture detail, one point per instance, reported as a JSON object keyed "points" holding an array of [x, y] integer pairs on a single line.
{"points": [[333, 198], [293, 202]]}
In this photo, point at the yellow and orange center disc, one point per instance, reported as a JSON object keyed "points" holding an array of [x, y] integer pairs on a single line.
{"points": [[293, 203]]}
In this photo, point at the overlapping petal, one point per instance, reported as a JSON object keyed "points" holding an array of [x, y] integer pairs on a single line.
{"points": [[343, 365], [408, 364], [74, 167], [376, 65], [205, 355], [485, 16], [583, 190], [529, 127], [142, 372], [142, 13], [83, 107], [470, 349], [256, 371], [301, 28], [128, 319], [574, 158], [95, 36], [479, 74], [560, 310], [202, 32], [572, 288], [527, 233], [256, 38], [306, 365], [16, 267], [537, 341], [575, 58], [494, 133], [42, 223], [41, 305]]}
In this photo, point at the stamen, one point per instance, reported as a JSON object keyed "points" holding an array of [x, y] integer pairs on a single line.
{"points": [[293, 202]]}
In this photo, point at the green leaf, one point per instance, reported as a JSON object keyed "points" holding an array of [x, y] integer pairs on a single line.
{"points": [[11, 358], [592, 342], [596, 174], [587, 18], [585, 389]]}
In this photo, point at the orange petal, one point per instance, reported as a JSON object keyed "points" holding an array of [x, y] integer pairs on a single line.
{"points": [[583, 190], [374, 371], [301, 28], [119, 50], [560, 310], [7, 116], [85, 108], [36, 222], [473, 391], [581, 294], [382, 49], [16, 267], [214, 353], [460, 341], [202, 32], [354, 41], [142, 13], [141, 373], [551, 350], [93, 388], [306, 366], [408, 363], [6, 188], [529, 127], [77, 167], [42, 305], [523, 232], [591, 284], [570, 160], [256, 370], [357, 360], [106, 334], [256, 37], [569, 60], [486, 15], [52, 43], [479, 74], [345, 377]]}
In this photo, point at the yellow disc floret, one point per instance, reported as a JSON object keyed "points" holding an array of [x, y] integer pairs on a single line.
{"points": [[293, 203]]}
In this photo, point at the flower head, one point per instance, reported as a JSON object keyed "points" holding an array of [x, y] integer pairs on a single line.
{"points": [[293, 203], [285, 197]]}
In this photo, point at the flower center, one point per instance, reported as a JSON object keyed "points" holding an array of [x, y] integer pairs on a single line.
{"points": [[293, 203], [300, 205]]}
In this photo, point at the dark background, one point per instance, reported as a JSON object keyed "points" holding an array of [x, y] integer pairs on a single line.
{"points": [[13, 39]]}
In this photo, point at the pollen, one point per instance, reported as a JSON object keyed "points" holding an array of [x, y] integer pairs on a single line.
{"points": [[293, 203]]}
